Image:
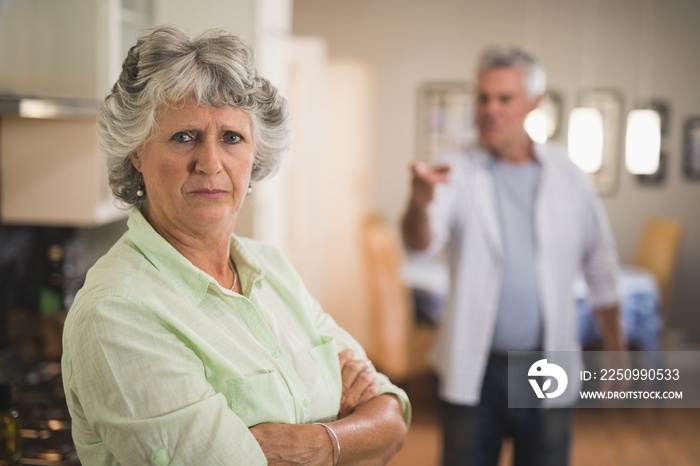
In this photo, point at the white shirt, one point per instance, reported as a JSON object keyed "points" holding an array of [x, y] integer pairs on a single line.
{"points": [[572, 234]]}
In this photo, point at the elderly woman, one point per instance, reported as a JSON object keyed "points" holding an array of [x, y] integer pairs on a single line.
{"points": [[189, 345]]}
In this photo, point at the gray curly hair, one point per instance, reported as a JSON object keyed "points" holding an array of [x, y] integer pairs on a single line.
{"points": [[510, 56], [166, 66]]}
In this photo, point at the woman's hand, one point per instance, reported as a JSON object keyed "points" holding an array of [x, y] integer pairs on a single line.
{"points": [[359, 382], [294, 444]]}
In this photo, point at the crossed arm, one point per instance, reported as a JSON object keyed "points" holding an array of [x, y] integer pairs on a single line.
{"points": [[370, 428]]}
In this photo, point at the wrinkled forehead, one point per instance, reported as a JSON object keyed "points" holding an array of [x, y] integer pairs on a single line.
{"points": [[191, 114]]}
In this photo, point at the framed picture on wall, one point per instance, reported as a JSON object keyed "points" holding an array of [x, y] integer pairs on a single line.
{"points": [[445, 118], [658, 177], [543, 123], [662, 108], [691, 148], [610, 104]]}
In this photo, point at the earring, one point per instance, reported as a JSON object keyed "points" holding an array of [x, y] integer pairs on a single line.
{"points": [[141, 189], [250, 188]]}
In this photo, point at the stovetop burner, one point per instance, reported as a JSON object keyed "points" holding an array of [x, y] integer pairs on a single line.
{"points": [[46, 435]]}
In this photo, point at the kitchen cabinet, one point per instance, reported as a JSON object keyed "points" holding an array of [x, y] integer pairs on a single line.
{"points": [[66, 55], [67, 48], [52, 171]]}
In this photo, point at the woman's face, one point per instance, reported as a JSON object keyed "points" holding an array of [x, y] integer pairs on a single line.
{"points": [[196, 168]]}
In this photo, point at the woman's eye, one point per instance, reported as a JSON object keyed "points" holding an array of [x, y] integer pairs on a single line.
{"points": [[183, 137], [232, 138]]}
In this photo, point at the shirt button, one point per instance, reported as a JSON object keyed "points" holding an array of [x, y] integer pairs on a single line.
{"points": [[276, 353], [307, 403], [160, 458]]}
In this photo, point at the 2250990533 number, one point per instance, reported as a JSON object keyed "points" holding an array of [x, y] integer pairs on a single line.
{"points": [[639, 374]]}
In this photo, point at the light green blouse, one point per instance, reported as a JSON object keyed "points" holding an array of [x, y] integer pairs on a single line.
{"points": [[161, 365]]}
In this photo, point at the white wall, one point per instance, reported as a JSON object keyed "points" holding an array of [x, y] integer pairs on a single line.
{"points": [[236, 16], [582, 44], [307, 99], [344, 195], [328, 191]]}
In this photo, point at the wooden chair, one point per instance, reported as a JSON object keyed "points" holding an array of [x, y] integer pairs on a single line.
{"points": [[657, 251], [401, 344]]}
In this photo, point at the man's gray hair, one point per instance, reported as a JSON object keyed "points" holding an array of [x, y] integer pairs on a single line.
{"points": [[509, 56], [166, 67]]}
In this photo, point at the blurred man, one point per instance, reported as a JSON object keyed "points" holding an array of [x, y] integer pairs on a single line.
{"points": [[520, 222]]}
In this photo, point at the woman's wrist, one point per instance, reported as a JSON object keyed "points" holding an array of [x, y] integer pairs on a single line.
{"points": [[335, 443]]}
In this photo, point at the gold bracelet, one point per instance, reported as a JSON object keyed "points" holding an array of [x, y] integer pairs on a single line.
{"points": [[334, 441]]}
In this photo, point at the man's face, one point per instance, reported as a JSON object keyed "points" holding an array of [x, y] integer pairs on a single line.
{"points": [[501, 108]]}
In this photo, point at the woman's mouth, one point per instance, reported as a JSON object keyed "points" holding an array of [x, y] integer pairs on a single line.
{"points": [[210, 193]]}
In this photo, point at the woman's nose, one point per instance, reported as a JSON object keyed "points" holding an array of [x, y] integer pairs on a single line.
{"points": [[208, 157]]}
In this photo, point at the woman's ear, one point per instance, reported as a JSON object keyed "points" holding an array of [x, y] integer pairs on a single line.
{"points": [[136, 162]]}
